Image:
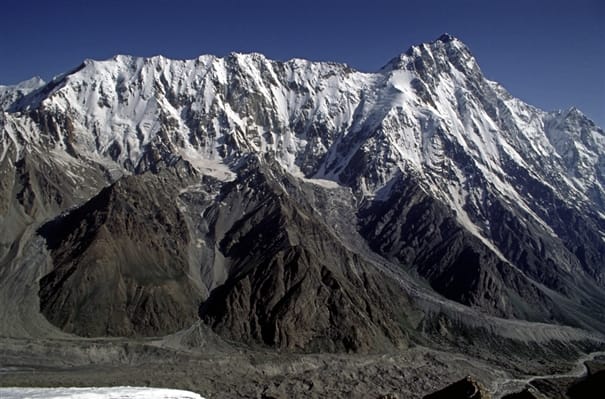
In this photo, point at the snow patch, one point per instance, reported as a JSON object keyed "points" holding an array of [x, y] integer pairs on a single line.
{"points": [[97, 393], [325, 183], [211, 167]]}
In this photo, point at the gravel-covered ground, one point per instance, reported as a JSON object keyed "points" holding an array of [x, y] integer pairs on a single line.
{"points": [[229, 372]]}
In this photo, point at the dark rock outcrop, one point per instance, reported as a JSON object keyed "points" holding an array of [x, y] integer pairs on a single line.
{"points": [[527, 393], [293, 285], [421, 234], [590, 387], [467, 388], [120, 264]]}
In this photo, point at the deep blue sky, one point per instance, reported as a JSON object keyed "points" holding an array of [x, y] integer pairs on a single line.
{"points": [[550, 53]]}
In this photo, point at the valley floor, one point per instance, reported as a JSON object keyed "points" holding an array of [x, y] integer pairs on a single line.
{"points": [[233, 373]]}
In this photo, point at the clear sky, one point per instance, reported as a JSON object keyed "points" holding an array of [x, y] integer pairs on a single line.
{"points": [[550, 53]]}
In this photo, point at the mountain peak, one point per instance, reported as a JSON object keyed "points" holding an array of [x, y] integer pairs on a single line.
{"points": [[446, 38], [32, 83], [450, 43], [436, 54], [29, 84]]}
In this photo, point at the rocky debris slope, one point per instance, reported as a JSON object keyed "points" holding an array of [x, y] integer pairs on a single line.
{"points": [[120, 262], [292, 283]]}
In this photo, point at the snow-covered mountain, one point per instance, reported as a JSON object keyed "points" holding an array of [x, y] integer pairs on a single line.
{"points": [[316, 118], [425, 166], [10, 95]]}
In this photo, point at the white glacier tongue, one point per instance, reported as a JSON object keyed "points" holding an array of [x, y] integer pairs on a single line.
{"points": [[96, 393]]}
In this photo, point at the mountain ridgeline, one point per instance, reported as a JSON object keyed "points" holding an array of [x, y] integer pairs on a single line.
{"points": [[300, 205]]}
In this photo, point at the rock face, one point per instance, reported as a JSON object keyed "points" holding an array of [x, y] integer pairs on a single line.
{"points": [[120, 263], [293, 284], [299, 205], [524, 394], [467, 388], [413, 228], [592, 385]]}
